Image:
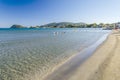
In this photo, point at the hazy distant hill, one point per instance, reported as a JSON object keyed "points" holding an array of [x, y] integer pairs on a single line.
{"points": [[69, 25], [17, 26], [64, 25]]}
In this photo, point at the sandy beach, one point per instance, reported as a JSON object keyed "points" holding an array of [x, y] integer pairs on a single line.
{"points": [[104, 64]]}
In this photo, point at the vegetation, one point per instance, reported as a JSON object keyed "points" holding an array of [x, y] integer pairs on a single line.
{"points": [[33, 27], [70, 25], [17, 26]]}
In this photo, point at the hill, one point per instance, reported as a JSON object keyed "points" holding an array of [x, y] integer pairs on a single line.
{"points": [[17, 26], [64, 25]]}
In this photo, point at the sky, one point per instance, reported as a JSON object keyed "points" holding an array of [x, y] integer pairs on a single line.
{"points": [[39, 12]]}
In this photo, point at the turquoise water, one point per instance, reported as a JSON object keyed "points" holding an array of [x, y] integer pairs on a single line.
{"points": [[27, 53]]}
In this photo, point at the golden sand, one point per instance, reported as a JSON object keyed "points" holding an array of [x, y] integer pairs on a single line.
{"points": [[104, 64]]}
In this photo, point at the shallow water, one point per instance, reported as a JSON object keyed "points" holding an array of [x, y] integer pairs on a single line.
{"points": [[26, 52]]}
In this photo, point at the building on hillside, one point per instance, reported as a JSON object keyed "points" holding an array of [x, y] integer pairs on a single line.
{"points": [[117, 25]]}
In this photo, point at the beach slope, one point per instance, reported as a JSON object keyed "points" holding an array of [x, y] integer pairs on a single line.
{"points": [[104, 64], [87, 66]]}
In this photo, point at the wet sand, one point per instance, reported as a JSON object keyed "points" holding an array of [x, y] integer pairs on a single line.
{"points": [[80, 66], [110, 68], [104, 64]]}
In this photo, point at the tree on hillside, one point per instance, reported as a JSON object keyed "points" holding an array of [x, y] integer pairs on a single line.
{"points": [[94, 25], [101, 25]]}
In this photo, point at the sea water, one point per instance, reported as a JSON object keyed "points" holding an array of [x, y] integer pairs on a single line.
{"points": [[25, 53]]}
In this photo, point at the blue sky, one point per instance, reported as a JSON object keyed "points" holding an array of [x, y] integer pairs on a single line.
{"points": [[38, 12]]}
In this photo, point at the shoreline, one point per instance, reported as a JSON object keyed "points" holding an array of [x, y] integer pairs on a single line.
{"points": [[75, 61], [98, 66], [109, 69]]}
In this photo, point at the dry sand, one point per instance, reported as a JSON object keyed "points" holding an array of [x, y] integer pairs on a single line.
{"points": [[104, 64]]}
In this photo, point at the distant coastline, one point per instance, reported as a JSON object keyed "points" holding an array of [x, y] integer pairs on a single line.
{"points": [[69, 25]]}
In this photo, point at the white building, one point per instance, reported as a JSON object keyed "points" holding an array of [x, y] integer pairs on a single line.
{"points": [[117, 25]]}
